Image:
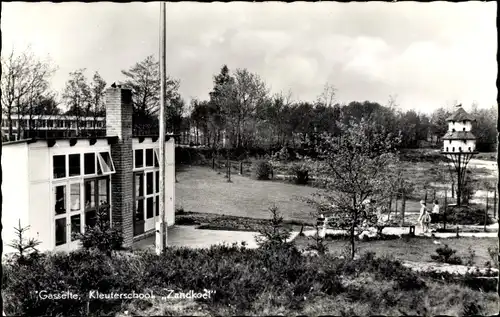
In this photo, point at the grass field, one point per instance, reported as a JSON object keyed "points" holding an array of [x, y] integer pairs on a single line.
{"points": [[416, 249], [200, 189]]}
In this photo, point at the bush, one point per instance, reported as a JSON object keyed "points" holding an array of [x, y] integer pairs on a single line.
{"points": [[493, 252], [446, 255], [102, 236], [261, 170], [300, 173], [467, 215]]}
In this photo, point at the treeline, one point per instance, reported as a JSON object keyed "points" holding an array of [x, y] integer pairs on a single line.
{"points": [[241, 112]]}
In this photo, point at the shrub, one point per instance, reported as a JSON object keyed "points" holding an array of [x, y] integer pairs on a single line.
{"points": [[493, 252], [102, 236], [446, 255], [469, 260], [261, 170], [300, 173], [467, 215], [274, 234]]}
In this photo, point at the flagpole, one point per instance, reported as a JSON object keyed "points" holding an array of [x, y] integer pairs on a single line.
{"points": [[162, 230]]}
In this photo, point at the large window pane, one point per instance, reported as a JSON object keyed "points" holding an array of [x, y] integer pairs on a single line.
{"points": [[103, 192], [89, 194], [89, 161], [149, 207], [75, 197], [60, 199], [139, 209], [76, 226], [139, 160], [149, 183], [60, 231], [149, 157], [74, 165], [59, 166], [139, 185]]}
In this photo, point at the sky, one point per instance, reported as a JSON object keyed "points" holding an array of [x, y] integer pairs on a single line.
{"points": [[425, 55]]}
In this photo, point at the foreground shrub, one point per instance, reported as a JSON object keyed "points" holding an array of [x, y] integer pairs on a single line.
{"points": [[446, 255], [261, 170], [102, 236]]}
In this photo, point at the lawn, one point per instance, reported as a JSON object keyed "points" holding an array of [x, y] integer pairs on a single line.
{"points": [[200, 189], [415, 249]]}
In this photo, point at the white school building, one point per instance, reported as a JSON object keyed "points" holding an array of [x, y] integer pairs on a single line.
{"points": [[56, 185]]}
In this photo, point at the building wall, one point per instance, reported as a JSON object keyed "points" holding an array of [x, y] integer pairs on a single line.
{"points": [[14, 192], [459, 126], [148, 143], [40, 194], [170, 181], [448, 146]]}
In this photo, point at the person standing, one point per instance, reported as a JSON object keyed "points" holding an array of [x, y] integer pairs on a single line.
{"points": [[435, 213], [424, 217]]}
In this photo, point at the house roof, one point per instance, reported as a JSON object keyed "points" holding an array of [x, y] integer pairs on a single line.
{"points": [[460, 115], [459, 135]]}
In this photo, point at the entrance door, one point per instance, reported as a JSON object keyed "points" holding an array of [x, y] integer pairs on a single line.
{"points": [[68, 215], [149, 212]]}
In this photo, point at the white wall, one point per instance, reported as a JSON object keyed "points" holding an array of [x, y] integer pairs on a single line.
{"points": [[170, 181], [40, 194], [169, 173], [459, 126], [459, 143], [14, 191]]}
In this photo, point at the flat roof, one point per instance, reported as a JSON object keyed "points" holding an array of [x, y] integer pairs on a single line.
{"points": [[110, 139], [52, 141]]}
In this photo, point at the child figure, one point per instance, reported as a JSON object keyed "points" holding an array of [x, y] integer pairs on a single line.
{"points": [[424, 218]]}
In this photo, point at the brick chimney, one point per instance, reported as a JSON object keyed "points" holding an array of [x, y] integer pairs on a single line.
{"points": [[119, 123]]}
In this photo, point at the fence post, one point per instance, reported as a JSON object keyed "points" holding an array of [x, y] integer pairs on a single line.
{"points": [[213, 163], [434, 196], [495, 205], [403, 207], [228, 170], [486, 211], [241, 168], [445, 207]]}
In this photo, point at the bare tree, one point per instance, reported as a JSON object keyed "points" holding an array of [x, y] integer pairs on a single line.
{"points": [[327, 97], [25, 78], [77, 95]]}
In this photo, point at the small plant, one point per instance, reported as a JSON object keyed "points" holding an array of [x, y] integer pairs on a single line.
{"points": [[446, 255], [469, 260], [493, 252], [261, 170], [102, 236], [275, 233], [25, 247], [179, 211]]}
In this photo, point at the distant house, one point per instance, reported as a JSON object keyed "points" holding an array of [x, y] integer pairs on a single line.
{"points": [[44, 126], [55, 185]]}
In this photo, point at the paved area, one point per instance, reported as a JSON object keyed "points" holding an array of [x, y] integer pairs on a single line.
{"points": [[189, 236], [418, 231]]}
